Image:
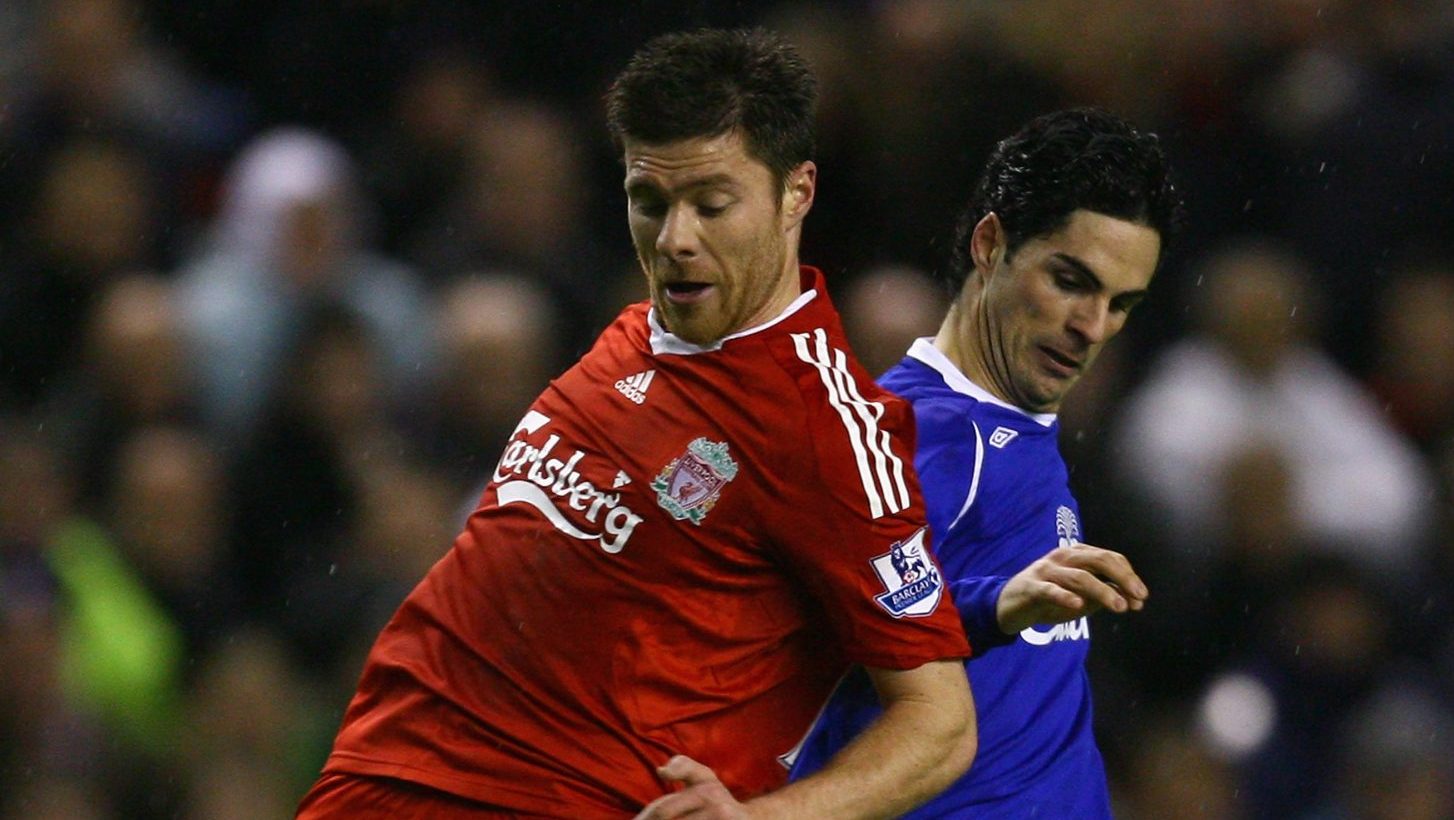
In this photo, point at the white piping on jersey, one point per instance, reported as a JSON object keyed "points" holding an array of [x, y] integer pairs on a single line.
{"points": [[882, 489], [790, 758], [666, 343], [974, 479], [924, 350], [890, 467]]}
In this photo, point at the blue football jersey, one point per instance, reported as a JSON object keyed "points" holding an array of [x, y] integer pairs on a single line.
{"points": [[998, 498]]}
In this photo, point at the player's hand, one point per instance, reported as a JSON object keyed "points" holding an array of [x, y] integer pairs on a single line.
{"points": [[702, 797], [1067, 583]]}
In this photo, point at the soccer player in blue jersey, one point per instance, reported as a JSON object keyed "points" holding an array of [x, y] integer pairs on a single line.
{"points": [[1058, 244]]}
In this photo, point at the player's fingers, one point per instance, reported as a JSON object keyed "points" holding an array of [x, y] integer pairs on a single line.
{"points": [[686, 770], [1111, 566], [1047, 592], [653, 810], [1097, 593], [671, 806]]}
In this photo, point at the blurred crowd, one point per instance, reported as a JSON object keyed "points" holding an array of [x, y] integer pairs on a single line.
{"points": [[278, 278]]}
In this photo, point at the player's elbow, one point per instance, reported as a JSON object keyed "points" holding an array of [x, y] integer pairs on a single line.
{"points": [[964, 739], [956, 739]]}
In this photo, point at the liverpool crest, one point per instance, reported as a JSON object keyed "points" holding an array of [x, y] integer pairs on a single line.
{"points": [[689, 485]]}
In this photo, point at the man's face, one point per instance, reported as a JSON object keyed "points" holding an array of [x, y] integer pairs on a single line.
{"points": [[1054, 303], [716, 235]]}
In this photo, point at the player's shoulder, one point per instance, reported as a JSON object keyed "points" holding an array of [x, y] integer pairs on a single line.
{"points": [[819, 361], [939, 410], [630, 326], [625, 337]]}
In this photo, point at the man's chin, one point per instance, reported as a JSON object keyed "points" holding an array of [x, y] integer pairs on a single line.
{"points": [[688, 331]]}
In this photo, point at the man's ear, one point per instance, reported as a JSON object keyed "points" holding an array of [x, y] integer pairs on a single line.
{"points": [[988, 244], [801, 185]]}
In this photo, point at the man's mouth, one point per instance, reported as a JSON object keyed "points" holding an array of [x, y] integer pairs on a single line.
{"points": [[683, 293], [1067, 365]]}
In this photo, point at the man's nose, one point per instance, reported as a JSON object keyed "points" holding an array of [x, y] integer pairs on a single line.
{"points": [[1094, 321], [677, 238]]}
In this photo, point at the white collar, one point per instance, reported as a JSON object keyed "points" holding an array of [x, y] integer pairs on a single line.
{"points": [[664, 342], [924, 350]]}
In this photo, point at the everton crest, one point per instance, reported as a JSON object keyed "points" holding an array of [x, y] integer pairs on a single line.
{"points": [[1066, 528], [913, 583], [689, 485]]}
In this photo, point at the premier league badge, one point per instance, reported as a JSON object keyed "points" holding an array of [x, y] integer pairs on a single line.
{"points": [[689, 485], [913, 582]]}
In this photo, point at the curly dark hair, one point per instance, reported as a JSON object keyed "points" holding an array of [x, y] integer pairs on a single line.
{"points": [[1062, 162], [709, 82]]}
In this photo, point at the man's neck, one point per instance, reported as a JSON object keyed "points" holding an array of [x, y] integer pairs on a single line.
{"points": [[963, 338]]}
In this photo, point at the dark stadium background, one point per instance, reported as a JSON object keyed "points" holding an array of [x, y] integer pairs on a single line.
{"points": [[185, 595]]}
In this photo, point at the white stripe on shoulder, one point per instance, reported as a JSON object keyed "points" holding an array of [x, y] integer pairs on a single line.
{"points": [[890, 466], [974, 479], [860, 420]]}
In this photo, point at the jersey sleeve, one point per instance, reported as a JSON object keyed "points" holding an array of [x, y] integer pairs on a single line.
{"points": [[948, 459], [850, 519]]}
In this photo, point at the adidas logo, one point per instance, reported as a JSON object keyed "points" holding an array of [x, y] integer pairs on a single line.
{"points": [[634, 387]]}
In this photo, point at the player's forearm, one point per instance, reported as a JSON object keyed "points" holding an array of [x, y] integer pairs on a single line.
{"points": [[919, 746]]}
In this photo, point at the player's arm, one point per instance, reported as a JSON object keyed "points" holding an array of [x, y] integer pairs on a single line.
{"points": [[1064, 584], [924, 740], [1067, 583]]}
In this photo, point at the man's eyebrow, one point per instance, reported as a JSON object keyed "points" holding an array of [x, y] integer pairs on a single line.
{"points": [[1095, 281], [639, 184]]}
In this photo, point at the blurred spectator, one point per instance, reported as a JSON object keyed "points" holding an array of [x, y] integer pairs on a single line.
{"points": [[1350, 102], [92, 69], [48, 742], [419, 162], [299, 482], [169, 519], [293, 235], [1413, 368], [55, 798], [1252, 374], [498, 337], [1396, 758], [407, 521], [523, 209], [1172, 773], [134, 371], [1318, 656], [256, 732], [92, 220], [885, 309], [39, 497], [936, 91], [90, 663]]}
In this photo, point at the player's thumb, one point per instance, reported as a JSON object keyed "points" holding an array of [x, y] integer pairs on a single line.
{"points": [[686, 770]]}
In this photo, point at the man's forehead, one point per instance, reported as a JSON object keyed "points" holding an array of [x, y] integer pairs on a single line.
{"points": [[1120, 253], [691, 162]]}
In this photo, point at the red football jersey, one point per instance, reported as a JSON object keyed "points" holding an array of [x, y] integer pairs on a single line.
{"points": [[680, 551]]}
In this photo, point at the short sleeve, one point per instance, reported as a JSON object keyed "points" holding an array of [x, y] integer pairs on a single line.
{"points": [[850, 519]]}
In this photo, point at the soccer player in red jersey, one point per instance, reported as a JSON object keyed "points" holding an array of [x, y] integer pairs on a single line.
{"points": [[691, 534]]}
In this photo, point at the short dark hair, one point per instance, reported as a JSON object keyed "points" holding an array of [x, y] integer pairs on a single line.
{"points": [[1064, 161], [709, 82]]}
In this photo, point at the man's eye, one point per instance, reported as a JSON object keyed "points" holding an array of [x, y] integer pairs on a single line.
{"points": [[712, 209], [647, 207]]}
